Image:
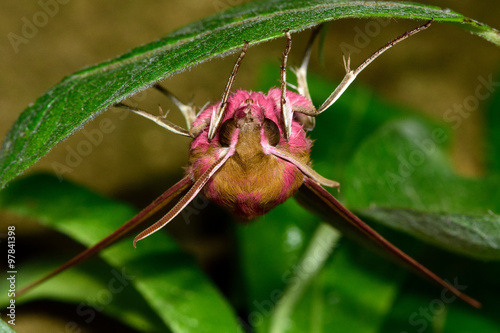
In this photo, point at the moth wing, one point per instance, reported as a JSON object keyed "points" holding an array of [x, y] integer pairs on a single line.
{"points": [[173, 192], [315, 198]]}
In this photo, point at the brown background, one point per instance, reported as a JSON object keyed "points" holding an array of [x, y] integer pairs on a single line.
{"points": [[428, 73]]}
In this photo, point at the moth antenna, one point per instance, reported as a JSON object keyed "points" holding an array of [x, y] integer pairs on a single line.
{"points": [[301, 75], [351, 74], [218, 114], [286, 107], [304, 168], [187, 198], [119, 233], [187, 110], [160, 120], [195, 131]]}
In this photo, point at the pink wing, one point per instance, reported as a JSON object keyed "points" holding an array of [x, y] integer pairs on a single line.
{"points": [[315, 198], [170, 194]]}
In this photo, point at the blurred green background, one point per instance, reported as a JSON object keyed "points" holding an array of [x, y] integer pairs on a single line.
{"points": [[139, 160]]}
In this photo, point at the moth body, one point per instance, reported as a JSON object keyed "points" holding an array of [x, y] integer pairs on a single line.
{"points": [[252, 181]]}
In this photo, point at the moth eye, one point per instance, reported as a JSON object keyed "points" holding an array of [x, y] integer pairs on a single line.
{"points": [[225, 132], [271, 131]]}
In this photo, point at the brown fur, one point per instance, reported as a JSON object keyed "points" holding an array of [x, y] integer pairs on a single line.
{"points": [[249, 170]]}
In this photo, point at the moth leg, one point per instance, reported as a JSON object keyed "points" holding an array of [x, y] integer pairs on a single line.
{"points": [[301, 72], [351, 74], [187, 198], [218, 113], [301, 75], [160, 120], [286, 107], [172, 193], [187, 110]]}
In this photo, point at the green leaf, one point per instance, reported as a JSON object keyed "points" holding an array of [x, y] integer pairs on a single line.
{"points": [[308, 267], [401, 177], [167, 279], [83, 95], [493, 131], [5, 328], [98, 290], [269, 249], [353, 292], [420, 307]]}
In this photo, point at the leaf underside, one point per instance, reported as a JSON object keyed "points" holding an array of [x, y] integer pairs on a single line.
{"points": [[83, 95], [413, 188]]}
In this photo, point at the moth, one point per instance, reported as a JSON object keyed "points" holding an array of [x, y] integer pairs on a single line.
{"points": [[250, 152]]}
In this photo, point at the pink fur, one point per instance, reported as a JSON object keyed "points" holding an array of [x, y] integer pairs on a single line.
{"points": [[244, 195]]}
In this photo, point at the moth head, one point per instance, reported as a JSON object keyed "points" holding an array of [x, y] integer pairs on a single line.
{"points": [[249, 123]]}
